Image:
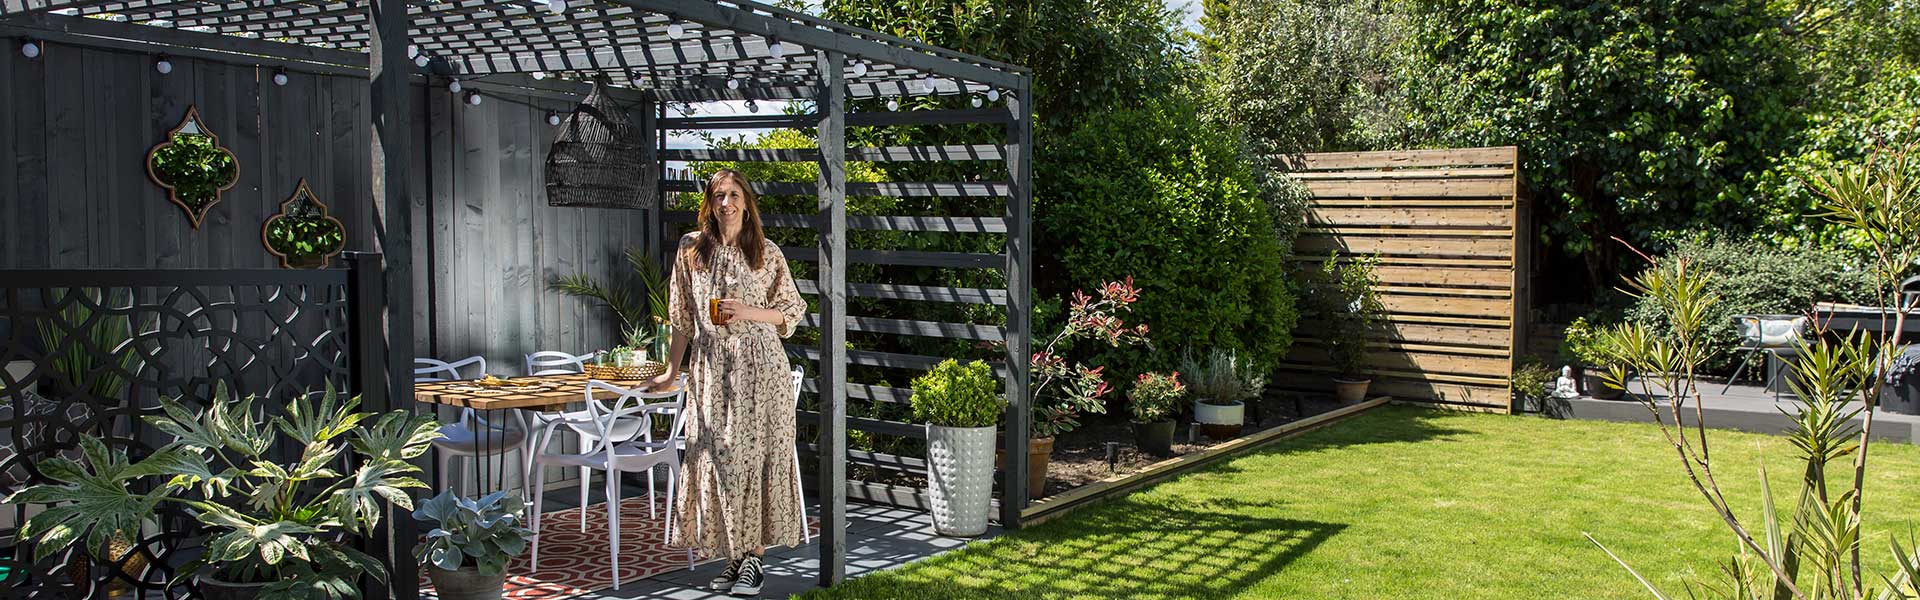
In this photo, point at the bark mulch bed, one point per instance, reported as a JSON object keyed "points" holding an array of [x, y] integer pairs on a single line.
{"points": [[1080, 456]]}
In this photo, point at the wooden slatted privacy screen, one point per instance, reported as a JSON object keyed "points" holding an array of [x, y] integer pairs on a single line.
{"points": [[1450, 229]]}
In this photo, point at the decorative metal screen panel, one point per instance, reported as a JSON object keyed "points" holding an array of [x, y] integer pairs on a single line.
{"points": [[91, 352]]}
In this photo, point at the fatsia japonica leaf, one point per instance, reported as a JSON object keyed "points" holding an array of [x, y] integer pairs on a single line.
{"points": [[94, 501], [397, 436], [358, 504], [331, 418]]}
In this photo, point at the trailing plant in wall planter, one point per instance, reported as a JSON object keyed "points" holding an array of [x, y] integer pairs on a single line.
{"points": [[1221, 384], [277, 529], [961, 404], [303, 235]]}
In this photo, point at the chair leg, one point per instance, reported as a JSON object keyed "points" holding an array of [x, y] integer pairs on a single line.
{"points": [[651, 494], [613, 523], [586, 479], [1736, 374], [539, 489]]}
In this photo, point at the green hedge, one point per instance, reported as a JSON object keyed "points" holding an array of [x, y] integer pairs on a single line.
{"points": [[1757, 278], [1155, 194]]}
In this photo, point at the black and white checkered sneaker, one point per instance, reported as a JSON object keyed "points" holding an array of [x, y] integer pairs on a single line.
{"points": [[724, 581]]}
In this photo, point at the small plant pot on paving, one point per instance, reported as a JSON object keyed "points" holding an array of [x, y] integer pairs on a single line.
{"points": [[466, 583], [961, 405]]}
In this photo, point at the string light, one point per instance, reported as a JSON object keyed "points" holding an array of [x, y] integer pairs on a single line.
{"points": [[553, 118], [676, 30], [413, 50], [860, 69], [453, 86], [30, 49], [473, 98], [733, 83], [893, 104], [279, 76], [420, 60], [751, 107], [978, 102], [557, 6], [993, 95], [777, 49], [163, 65]]}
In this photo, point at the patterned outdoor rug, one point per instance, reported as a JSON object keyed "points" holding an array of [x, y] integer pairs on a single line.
{"points": [[575, 563]]}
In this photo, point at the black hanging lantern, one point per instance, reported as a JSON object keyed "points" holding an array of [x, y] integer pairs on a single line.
{"points": [[601, 158]]}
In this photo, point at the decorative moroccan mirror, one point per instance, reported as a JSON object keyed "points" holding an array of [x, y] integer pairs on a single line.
{"points": [[193, 167], [303, 235]]}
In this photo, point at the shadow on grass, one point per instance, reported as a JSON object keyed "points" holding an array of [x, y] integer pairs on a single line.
{"points": [[1384, 425], [1122, 549]]}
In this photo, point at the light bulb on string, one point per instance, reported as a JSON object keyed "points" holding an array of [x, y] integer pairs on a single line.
{"points": [[539, 75], [979, 102], [473, 98], [553, 118], [893, 104], [993, 95], [420, 60], [30, 49], [752, 107], [557, 6], [163, 65], [860, 69], [280, 77], [777, 49], [413, 51], [676, 30], [733, 83], [453, 86]]}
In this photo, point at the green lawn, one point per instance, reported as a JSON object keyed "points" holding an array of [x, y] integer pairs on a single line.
{"points": [[1403, 503]]}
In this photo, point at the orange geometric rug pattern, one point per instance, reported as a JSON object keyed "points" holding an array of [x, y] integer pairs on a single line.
{"points": [[575, 563]]}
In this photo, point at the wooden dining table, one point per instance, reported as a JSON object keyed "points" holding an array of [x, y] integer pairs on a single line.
{"points": [[541, 393]]}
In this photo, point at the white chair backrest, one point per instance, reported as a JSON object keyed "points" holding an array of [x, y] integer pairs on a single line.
{"points": [[428, 370], [550, 362], [1771, 331], [630, 416], [798, 376]]}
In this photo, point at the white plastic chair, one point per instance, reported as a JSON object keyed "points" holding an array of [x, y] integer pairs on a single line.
{"points": [[799, 488], [550, 362], [458, 438], [629, 417]]}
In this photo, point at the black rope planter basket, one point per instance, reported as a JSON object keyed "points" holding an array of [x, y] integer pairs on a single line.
{"points": [[602, 159]]}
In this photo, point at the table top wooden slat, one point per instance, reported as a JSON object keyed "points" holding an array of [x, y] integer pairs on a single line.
{"points": [[567, 391]]}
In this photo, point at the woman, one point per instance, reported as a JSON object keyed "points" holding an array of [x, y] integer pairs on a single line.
{"points": [[732, 300]]}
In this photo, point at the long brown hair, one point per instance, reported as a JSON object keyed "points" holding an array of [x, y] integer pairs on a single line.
{"points": [[753, 242]]}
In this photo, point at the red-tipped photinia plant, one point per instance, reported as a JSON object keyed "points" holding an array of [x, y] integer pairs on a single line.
{"points": [[1056, 408]]}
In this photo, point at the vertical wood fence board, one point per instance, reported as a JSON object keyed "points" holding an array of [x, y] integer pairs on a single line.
{"points": [[1452, 229]]}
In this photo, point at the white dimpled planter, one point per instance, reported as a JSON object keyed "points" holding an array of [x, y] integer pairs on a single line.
{"points": [[960, 478]]}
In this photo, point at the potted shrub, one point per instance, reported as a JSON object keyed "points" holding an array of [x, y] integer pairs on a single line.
{"points": [[486, 529], [1351, 306], [1154, 399], [960, 404], [1582, 344], [1221, 385], [276, 529], [1064, 389]]}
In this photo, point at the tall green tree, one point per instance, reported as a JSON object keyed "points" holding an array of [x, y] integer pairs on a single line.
{"points": [[1307, 75]]}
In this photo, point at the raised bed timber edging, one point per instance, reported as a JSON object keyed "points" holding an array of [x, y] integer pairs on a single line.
{"points": [[1053, 507]]}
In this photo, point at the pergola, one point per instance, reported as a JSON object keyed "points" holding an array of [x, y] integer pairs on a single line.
{"points": [[670, 50]]}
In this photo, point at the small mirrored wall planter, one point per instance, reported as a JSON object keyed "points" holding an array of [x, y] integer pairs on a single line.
{"points": [[303, 235], [193, 167]]}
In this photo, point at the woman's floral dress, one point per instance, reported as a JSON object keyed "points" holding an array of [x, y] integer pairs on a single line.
{"points": [[738, 491]]}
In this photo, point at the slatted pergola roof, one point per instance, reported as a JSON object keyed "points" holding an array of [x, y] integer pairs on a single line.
{"points": [[660, 45]]}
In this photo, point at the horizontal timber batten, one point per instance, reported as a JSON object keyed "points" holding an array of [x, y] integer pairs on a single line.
{"points": [[1448, 228], [956, 153], [875, 393], [891, 360], [903, 189], [964, 331], [957, 260], [871, 425], [870, 222], [888, 291], [878, 460]]}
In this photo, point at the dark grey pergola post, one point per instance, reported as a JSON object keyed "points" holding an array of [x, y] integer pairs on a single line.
{"points": [[833, 310], [387, 68], [1019, 158]]}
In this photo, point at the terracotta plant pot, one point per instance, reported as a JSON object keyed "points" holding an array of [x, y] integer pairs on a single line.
{"points": [[466, 584], [1349, 391], [1039, 453], [1220, 421], [1154, 438]]}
